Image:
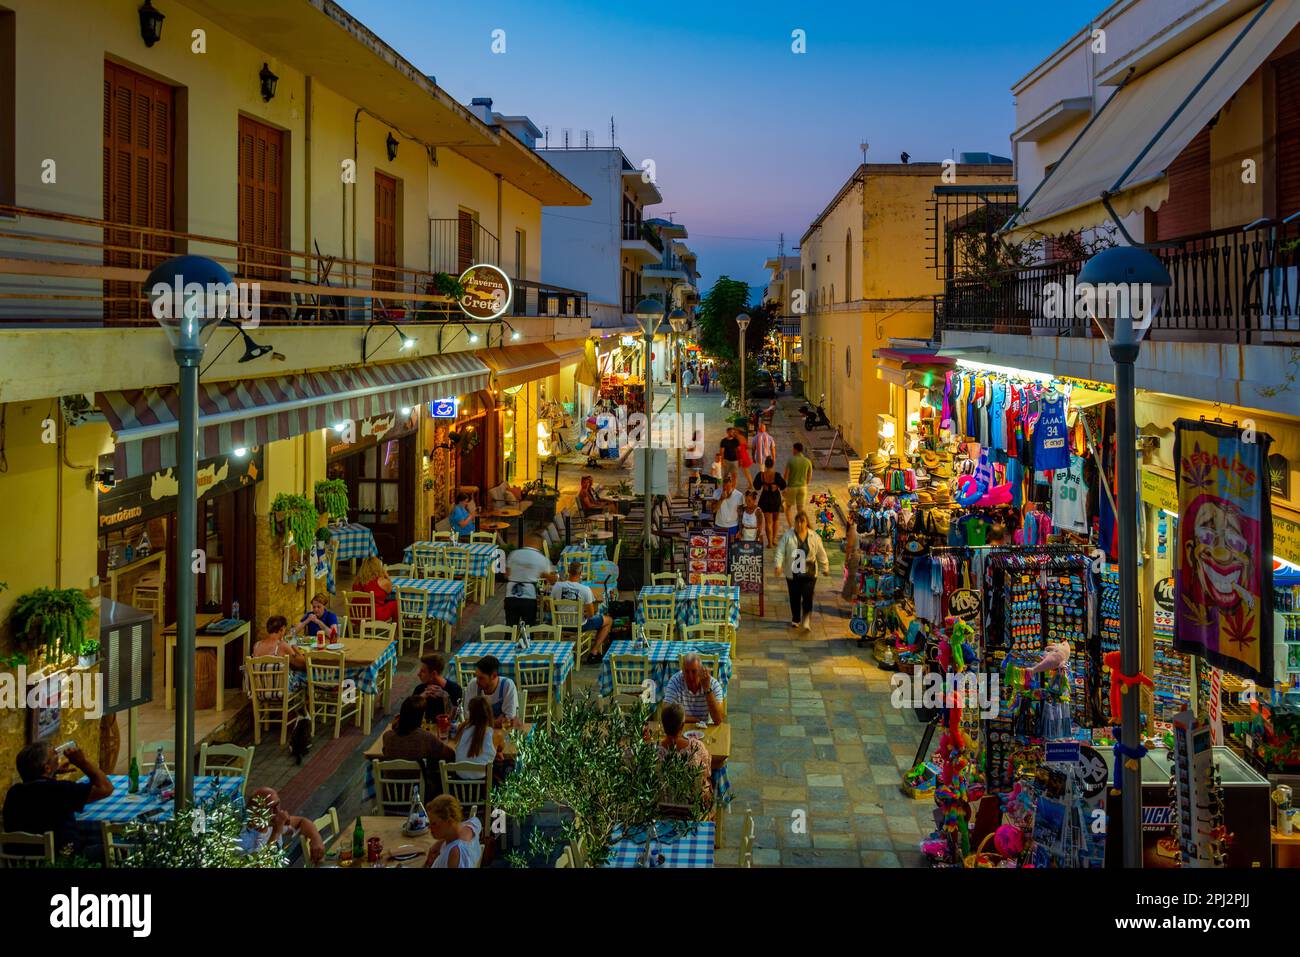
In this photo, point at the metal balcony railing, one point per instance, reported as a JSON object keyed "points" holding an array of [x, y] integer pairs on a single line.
{"points": [[65, 270], [640, 230], [1229, 285], [457, 244]]}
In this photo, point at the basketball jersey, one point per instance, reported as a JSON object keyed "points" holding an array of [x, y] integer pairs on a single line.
{"points": [[1051, 437], [1070, 497]]}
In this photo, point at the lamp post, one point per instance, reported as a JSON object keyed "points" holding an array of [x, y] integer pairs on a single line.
{"points": [[184, 297], [742, 320], [649, 314], [1131, 275], [678, 318]]}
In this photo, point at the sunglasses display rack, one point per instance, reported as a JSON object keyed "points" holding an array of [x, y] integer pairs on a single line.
{"points": [[1196, 795]]}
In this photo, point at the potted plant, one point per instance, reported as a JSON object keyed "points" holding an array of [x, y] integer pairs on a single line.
{"points": [[292, 514], [89, 655], [332, 499], [52, 620]]}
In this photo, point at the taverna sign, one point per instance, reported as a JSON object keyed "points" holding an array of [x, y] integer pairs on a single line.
{"points": [[488, 292]]}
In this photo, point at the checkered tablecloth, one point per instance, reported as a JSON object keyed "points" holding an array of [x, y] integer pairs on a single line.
{"points": [[687, 613], [354, 541], [482, 556], [598, 552], [121, 807], [691, 849], [446, 596], [506, 652], [363, 677], [664, 656]]}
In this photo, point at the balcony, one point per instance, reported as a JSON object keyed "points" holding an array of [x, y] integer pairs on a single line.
{"points": [[1232, 286], [670, 269], [641, 242], [457, 244]]}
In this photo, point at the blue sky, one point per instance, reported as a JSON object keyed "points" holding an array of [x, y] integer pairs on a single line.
{"points": [[749, 139]]}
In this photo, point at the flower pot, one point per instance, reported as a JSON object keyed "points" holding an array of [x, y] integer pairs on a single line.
{"points": [[87, 661]]}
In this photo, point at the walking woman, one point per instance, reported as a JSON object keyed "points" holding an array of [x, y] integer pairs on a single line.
{"points": [[770, 485], [801, 556]]}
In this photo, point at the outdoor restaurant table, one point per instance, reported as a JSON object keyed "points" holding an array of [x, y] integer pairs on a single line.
{"points": [[687, 613], [691, 849], [511, 513], [219, 642], [121, 807], [507, 651], [363, 661], [445, 596], [717, 739], [389, 832], [353, 541], [599, 552], [664, 657], [481, 555], [505, 745]]}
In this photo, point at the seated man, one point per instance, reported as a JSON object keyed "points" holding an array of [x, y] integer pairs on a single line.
{"points": [[281, 827], [441, 693], [589, 499], [500, 691], [320, 618], [41, 802], [575, 590], [698, 692]]}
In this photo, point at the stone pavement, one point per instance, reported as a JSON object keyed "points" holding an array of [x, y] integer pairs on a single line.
{"points": [[817, 749]]}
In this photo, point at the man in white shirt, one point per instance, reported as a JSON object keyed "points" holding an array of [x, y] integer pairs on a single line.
{"points": [[500, 691], [575, 590], [728, 503], [698, 692], [525, 567]]}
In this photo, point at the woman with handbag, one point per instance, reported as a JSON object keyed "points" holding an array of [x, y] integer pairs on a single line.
{"points": [[800, 556]]}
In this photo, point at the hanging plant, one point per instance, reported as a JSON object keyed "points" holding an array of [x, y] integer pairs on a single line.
{"points": [[332, 498], [52, 620], [297, 516]]}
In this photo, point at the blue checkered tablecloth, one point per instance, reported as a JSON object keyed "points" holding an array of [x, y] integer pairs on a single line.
{"points": [[482, 556], [694, 848], [446, 596], [598, 552], [363, 677], [687, 613], [664, 656], [121, 807], [506, 652], [354, 541]]}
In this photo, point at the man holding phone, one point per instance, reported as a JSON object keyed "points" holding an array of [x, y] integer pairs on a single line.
{"points": [[41, 802]]}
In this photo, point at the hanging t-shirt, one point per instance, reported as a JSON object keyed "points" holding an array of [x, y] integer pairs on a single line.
{"points": [[1051, 438], [998, 416], [1070, 498], [976, 531]]}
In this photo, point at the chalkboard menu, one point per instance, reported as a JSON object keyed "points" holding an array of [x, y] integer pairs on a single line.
{"points": [[747, 565]]}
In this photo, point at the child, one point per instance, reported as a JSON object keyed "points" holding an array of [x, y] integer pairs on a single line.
{"points": [[751, 519], [455, 842]]}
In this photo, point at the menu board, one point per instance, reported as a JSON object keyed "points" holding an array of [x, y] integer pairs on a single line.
{"points": [[707, 555], [747, 566]]}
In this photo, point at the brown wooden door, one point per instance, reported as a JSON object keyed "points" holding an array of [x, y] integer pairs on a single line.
{"points": [[464, 241], [261, 200], [1187, 211], [1287, 151], [385, 231], [139, 180]]}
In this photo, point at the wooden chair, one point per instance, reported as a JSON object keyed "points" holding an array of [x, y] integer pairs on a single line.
{"points": [[747, 840], [381, 631], [715, 578], [116, 848], [466, 670], [706, 661], [395, 780], [713, 608], [710, 631], [146, 752], [630, 673], [327, 698], [360, 605], [661, 608], [21, 849], [657, 630], [566, 614], [423, 558], [534, 677], [441, 536], [146, 596], [273, 702], [666, 578], [413, 626], [226, 761], [618, 551], [400, 570], [489, 538], [498, 633], [566, 858], [545, 633], [469, 791], [579, 851], [455, 565], [328, 826]]}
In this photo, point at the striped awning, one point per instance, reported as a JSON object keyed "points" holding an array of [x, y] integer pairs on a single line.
{"points": [[792, 326], [515, 365], [253, 412]]}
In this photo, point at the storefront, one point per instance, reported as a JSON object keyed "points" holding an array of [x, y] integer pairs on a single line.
{"points": [[380, 465]]}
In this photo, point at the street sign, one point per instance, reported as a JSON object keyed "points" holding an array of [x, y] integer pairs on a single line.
{"points": [[487, 292]]}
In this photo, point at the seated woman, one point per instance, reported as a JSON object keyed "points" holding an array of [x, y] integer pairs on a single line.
{"points": [[276, 643], [691, 749], [455, 840], [474, 741], [373, 577], [589, 499], [463, 520], [407, 740], [320, 618]]}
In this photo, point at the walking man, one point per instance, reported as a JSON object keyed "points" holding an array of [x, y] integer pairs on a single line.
{"points": [[798, 476], [761, 447]]}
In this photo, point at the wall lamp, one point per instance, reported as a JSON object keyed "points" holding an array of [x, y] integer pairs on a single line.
{"points": [[391, 144], [268, 81], [252, 350], [407, 341], [151, 22]]}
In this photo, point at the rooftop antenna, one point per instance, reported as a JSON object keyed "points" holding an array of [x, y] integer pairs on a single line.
{"points": [[864, 146], [671, 215], [780, 246], [546, 136], [612, 143], [566, 137], [586, 139]]}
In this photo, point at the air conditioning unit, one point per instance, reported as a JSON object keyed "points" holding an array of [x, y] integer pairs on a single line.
{"points": [[125, 655]]}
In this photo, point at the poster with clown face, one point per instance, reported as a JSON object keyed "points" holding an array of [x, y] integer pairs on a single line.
{"points": [[1223, 596]]}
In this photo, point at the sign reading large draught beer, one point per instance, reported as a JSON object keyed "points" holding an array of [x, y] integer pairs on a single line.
{"points": [[487, 292], [1223, 600]]}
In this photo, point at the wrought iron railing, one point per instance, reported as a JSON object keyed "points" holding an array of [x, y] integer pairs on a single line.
{"points": [[456, 244], [1229, 285]]}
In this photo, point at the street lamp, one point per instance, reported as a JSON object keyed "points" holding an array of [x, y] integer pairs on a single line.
{"points": [[742, 320], [186, 294], [1136, 283], [649, 314], [678, 318]]}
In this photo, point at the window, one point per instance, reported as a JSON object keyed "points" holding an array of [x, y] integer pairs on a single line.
{"points": [[466, 239], [848, 265], [385, 231], [261, 199], [521, 254], [1187, 210], [8, 96], [848, 362], [1286, 106]]}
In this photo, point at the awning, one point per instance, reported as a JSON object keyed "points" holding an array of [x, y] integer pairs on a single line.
{"points": [[792, 327], [515, 365], [569, 351], [1129, 144], [588, 373], [253, 412]]}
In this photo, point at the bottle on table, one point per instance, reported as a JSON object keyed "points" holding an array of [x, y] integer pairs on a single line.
{"points": [[133, 777], [358, 842], [234, 610]]}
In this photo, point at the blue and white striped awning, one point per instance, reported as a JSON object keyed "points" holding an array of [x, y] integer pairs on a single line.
{"points": [[792, 326], [253, 412]]}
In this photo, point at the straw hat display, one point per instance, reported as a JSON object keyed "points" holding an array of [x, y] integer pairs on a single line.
{"points": [[941, 494], [929, 458], [923, 497], [876, 463]]}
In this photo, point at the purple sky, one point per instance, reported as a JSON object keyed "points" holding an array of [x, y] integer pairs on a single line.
{"points": [[749, 138]]}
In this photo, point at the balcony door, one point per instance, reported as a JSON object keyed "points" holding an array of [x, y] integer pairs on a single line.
{"points": [[261, 200], [385, 231], [1187, 210], [1286, 93], [139, 181], [464, 240]]}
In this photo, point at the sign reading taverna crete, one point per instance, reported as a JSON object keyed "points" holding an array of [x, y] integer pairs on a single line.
{"points": [[146, 496], [487, 292]]}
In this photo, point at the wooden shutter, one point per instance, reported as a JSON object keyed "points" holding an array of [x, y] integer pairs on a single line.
{"points": [[1287, 150], [261, 200], [138, 180], [464, 241], [385, 231], [1187, 211]]}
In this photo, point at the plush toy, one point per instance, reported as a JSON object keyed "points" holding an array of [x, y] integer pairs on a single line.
{"points": [[1009, 840], [1055, 657], [1120, 684]]}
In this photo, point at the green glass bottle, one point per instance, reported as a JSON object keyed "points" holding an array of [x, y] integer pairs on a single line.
{"points": [[133, 777], [358, 843]]}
